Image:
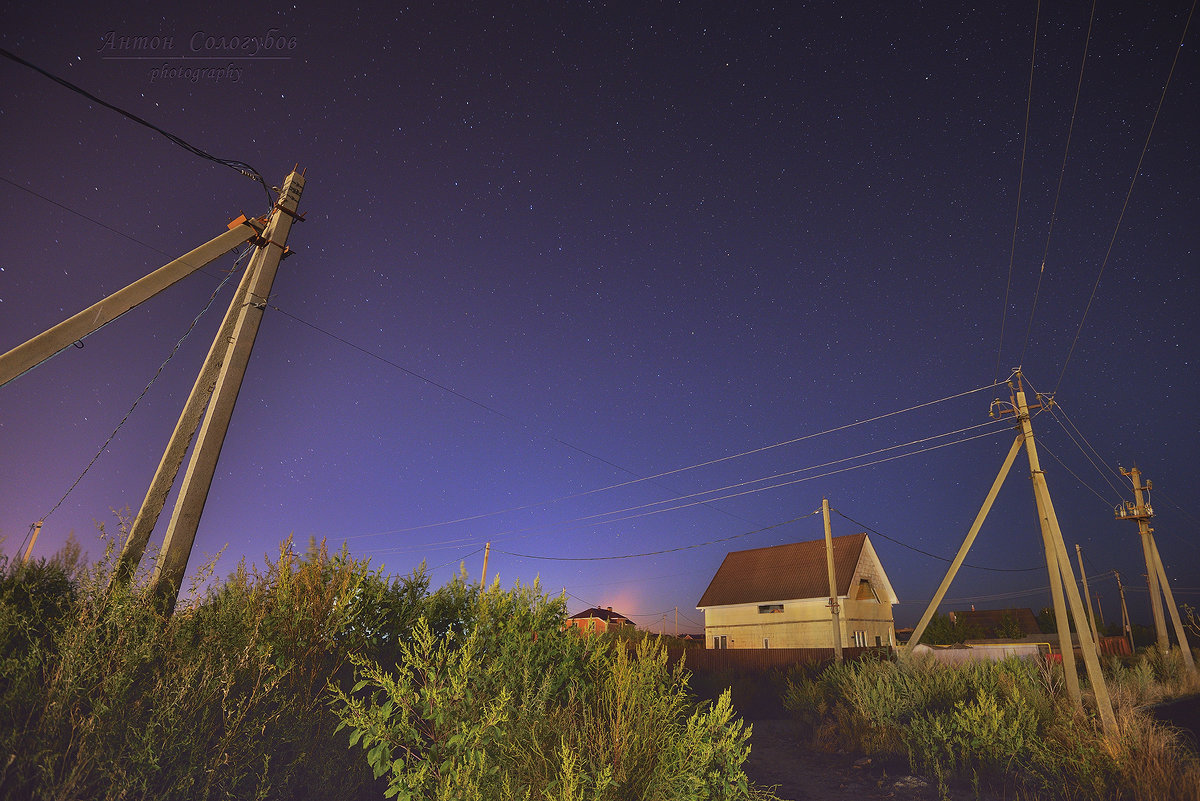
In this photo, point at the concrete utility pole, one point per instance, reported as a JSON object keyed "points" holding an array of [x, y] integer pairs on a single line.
{"points": [[833, 593], [167, 577], [1156, 574], [1057, 564], [37, 527], [1087, 596], [1124, 612], [1141, 513], [32, 353]]}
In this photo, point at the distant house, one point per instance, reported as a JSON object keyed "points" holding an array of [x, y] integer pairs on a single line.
{"points": [[778, 597], [998, 624], [597, 619]]}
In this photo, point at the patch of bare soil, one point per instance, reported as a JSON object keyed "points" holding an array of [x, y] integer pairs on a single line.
{"points": [[779, 759]]}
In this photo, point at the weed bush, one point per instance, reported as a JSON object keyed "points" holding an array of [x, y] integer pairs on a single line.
{"points": [[1006, 722], [102, 697], [515, 707]]}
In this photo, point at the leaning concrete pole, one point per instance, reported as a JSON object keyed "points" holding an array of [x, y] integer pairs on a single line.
{"points": [[177, 445], [167, 577], [1087, 596], [915, 639], [833, 593], [1041, 493], [1141, 512], [1180, 634]]}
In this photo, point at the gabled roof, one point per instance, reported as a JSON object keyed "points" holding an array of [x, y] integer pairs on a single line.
{"points": [[600, 614], [787, 572]]}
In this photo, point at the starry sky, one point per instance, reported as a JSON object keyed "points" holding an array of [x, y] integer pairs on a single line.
{"points": [[588, 280]]}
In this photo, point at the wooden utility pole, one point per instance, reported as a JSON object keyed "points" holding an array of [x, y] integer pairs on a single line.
{"points": [[1087, 596], [1124, 612], [1156, 574], [487, 549], [1062, 579], [833, 593], [167, 577]]}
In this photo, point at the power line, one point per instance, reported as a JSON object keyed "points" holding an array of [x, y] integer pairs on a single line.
{"points": [[1128, 194], [1058, 191], [784, 474], [1052, 455], [1020, 185], [240, 166], [149, 384], [491, 409], [656, 553], [707, 463], [559, 525], [933, 555]]}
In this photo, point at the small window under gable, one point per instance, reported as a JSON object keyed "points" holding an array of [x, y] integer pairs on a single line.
{"points": [[770, 609], [866, 592]]}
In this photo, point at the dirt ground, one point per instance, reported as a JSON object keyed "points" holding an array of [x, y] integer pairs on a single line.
{"points": [[779, 760]]}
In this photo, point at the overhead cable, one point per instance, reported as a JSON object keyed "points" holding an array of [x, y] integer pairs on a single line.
{"points": [[240, 166], [1020, 185], [655, 553], [934, 555], [1058, 191], [1129, 193]]}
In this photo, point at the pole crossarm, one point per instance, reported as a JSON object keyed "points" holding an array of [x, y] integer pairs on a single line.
{"points": [[30, 354]]}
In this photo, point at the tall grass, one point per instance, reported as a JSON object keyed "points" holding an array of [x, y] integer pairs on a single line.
{"points": [[1005, 724], [237, 695], [516, 707]]}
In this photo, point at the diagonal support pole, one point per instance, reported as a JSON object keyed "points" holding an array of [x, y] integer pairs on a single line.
{"points": [[966, 546], [181, 438], [167, 577]]}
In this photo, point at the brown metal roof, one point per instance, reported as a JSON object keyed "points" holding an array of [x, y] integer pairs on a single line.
{"points": [[783, 572], [990, 620]]}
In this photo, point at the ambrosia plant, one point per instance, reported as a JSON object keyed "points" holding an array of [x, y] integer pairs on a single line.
{"points": [[515, 707], [455, 693]]}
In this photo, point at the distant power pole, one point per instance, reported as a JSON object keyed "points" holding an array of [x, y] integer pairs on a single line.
{"points": [[833, 594], [1087, 596], [1156, 574], [1124, 613]]}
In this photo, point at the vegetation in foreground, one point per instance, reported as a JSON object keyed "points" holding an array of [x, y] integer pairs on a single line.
{"points": [[259, 688], [1005, 726]]}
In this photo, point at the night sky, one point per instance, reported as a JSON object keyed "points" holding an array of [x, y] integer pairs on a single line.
{"points": [[587, 281]]}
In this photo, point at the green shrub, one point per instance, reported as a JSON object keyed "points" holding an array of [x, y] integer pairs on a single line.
{"points": [[516, 707]]}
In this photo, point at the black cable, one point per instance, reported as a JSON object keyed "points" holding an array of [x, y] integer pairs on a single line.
{"points": [[146, 389], [934, 555], [241, 166], [656, 553], [495, 411]]}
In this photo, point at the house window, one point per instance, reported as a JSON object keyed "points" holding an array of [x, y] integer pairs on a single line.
{"points": [[860, 639], [878, 641], [770, 609], [724, 642], [766, 642], [720, 642]]}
